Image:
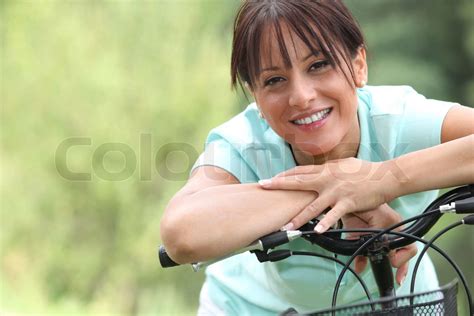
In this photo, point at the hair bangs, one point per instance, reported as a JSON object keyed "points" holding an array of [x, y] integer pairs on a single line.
{"points": [[326, 27], [322, 31], [270, 25]]}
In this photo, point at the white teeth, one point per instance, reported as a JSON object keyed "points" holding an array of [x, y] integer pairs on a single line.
{"points": [[313, 118]]}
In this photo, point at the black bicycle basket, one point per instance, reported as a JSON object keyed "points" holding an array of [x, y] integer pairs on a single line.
{"points": [[433, 303]]}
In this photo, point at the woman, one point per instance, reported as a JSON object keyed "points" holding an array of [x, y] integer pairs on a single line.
{"points": [[316, 137]]}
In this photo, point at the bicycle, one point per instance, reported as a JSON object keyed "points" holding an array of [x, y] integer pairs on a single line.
{"points": [[375, 244]]}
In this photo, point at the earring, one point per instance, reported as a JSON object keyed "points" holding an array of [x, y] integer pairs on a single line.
{"points": [[362, 83]]}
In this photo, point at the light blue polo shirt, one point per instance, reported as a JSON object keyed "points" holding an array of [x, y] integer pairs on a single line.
{"points": [[394, 120]]}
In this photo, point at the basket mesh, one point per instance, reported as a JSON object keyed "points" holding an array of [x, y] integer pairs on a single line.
{"points": [[433, 303]]}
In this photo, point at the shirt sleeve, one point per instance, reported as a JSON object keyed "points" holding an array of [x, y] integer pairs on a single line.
{"points": [[421, 122], [220, 153]]}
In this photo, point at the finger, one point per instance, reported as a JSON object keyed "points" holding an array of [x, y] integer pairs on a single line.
{"points": [[297, 170], [403, 255], [331, 218], [353, 221], [360, 263], [351, 236], [297, 182], [401, 273], [311, 211], [354, 236]]}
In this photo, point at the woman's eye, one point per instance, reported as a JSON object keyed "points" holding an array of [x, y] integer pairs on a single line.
{"points": [[319, 65], [273, 81]]}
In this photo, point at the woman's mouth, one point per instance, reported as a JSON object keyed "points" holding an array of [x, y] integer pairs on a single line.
{"points": [[314, 120]]}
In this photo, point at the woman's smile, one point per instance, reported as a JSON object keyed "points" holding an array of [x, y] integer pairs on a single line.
{"points": [[312, 121]]}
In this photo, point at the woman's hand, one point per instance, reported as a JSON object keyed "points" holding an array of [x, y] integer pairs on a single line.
{"points": [[345, 186], [382, 217]]}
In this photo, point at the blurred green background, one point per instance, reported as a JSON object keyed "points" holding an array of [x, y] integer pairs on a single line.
{"points": [[137, 83]]}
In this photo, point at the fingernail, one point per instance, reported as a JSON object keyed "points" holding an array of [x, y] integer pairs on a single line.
{"points": [[264, 182], [319, 229], [288, 226]]}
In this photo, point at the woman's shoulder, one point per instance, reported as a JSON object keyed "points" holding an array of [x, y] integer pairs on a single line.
{"points": [[388, 100], [400, 119], [390, 90], [245, 127], [400, 101]]}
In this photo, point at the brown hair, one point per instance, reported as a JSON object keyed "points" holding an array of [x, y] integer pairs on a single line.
{"points": [[325, 26]]}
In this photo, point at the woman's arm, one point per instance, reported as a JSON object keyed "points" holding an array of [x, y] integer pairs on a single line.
{"points": [[446, 165], [352, 185], [214, 215]]}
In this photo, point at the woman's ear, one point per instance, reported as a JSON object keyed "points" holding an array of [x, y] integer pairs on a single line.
{"points": [[360, 67], [250, 91]]}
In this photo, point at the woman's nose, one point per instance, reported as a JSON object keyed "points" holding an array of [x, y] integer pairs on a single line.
{"points": [[302, 93]]}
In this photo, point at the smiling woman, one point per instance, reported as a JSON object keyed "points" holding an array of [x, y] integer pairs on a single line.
{"points": [[327, 141], [311, 99]]}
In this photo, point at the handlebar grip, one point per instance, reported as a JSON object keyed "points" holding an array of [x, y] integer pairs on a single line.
{"points": [[165, 260], [275, 239], [465, 206], [468, 220]]}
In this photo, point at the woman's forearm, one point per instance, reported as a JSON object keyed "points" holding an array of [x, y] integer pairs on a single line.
{"points": [[446, 165], [220, 219]]}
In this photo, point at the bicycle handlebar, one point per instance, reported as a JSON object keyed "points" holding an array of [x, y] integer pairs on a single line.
{"points": [[459, 200], [462, 198]]}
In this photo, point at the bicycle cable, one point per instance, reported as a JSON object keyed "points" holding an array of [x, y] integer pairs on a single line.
{"points": [[429, 245], [361, 281], [368, 242], [416, 238]]}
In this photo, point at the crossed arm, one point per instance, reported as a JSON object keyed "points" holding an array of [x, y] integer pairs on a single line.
{"points": [[352, 185], [214, 214]]}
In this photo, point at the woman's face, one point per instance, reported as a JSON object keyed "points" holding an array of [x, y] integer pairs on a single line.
{"points": [[311, 105]]}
